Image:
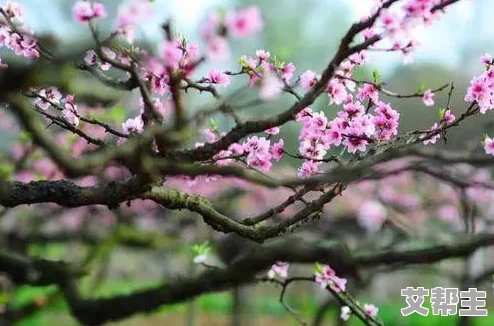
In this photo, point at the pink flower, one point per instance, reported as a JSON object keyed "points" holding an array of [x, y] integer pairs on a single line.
{"points": [[218, 77], [271, 87], [99, 10], [359, 58], [263, 55], [389, 20], [272, 131], [244, 22], [449, 117], [287, 71], [90, 58], [324, 276], [70, 116], [428, 98], [14, 10], [312, 149], [368, 91], [211, 136], [489, 145], [308, 79], [277, 150], [370, 309], [345, 313], [5, 36], [263, 163], [338, 284], [133, 126], [279, 268], [386, 121], [84, 11], [336, 91], [47, 97], [171, 54], [371, 215], [481, 90], [24, 45], [327, 277], [368, 33], [236, 149], [257, 146], [258, 152], [355, 140], [486, 59], [432, 139], [308, 168], [333, 135], [319, 121]]}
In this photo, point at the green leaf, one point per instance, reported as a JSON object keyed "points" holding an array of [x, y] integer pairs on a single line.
{"points": [[201, 249], [482, 142], [421, 89], [6, 170], [213, 124], [377, 76], [318, 268], [442, 111], [243, 61]]}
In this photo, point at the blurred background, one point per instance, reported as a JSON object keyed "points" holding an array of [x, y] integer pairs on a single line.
{"points": [[307, 34]]}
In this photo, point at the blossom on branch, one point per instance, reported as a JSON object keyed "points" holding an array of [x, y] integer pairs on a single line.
{"points": [[84, 11]]}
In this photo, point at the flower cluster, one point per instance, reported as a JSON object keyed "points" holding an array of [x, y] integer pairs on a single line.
{"points": [[47, 97], [258, 152], [69, 112], [18, 40], [352, 128], [325, 276], [177, 56], [428, 98], [268, 73], [398, 23], [133, 126], [218, 77], [84, 11], [14, 10], [51, 97], [279, 268], [481, 90]]}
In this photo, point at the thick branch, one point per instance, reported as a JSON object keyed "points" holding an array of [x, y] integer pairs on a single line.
{"points": [[66, 193]]}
